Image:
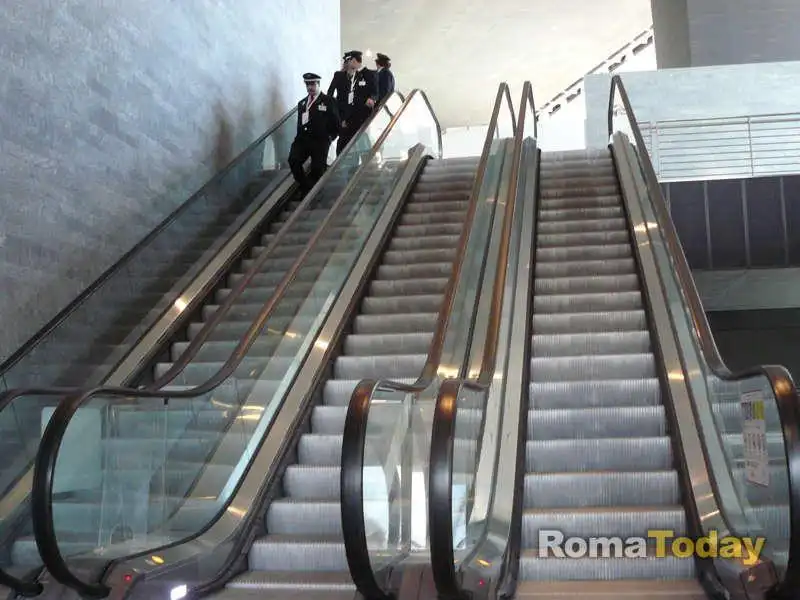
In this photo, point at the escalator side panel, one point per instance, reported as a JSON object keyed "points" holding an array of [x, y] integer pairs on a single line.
{"points": [[390, 337]]}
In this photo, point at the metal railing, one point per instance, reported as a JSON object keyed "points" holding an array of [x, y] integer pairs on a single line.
{"points": [[723, 147]]}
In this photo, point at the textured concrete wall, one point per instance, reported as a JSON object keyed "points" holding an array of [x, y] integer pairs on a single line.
{"points": [[114, 111], [696, 33], [671, 28], [725, 32]]}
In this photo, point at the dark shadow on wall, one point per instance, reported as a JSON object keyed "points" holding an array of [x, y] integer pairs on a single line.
{"points": [[277, 107], [223, 152]]}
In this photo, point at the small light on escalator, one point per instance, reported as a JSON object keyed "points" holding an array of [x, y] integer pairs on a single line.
{"points": [[178, 592], [482, 582], [127, 578]]}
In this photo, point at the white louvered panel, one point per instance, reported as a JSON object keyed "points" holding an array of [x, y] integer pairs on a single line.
{"points": [[776, 144]]}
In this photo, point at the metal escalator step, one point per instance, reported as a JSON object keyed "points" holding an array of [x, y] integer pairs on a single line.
{"points": [[388, 343], [468, 421], [234, 330], [586, 189], [421, 303], [556, 239], [290, 585], [582, 394], [574, 202], [290, 517], [613, 454], [298, 553], [415, 271], [582, 368], [220, 351], [451, 206], [611, 266], [601, 488], [559, 569], [578, 303], [590, 322], [588, 285], [433, 241], [337, 392], [432, 229], [406, 287], [629, 589], [328, 420], [547, 214], [379, 367], [302, 481], [314, 449], [243, 310], [463, 185], [406, 323], [594, 252], [619, 521], [584, 226], [251, 367], [424, 256], [593, 423], [584, 344]]}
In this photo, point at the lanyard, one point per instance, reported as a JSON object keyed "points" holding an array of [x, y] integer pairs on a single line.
{"points": [[310, 102]]}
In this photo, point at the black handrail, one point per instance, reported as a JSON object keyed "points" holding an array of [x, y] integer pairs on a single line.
{"points": [[355, 428], [53, 324], [46, 459], [440, 473], [783, 387]]}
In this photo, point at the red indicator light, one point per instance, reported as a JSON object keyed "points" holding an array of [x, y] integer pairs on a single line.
{"points": [[127, 578]]}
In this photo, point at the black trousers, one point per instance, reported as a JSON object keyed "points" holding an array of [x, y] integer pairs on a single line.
{"points": [[347, 133], [303, 148]]}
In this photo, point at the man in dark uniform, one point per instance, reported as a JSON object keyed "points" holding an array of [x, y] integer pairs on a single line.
{"points": [[317, 127], [385, 77], [340, 85], [362, 92]]}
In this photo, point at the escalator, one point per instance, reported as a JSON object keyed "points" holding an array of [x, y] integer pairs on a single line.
{"points": [[193, 434], [390, 336], [190, 301], [200, 457], [598, 456], [603, 440]]}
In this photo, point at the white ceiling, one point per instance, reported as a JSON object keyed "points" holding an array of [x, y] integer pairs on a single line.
{"points": [[459, 51]]}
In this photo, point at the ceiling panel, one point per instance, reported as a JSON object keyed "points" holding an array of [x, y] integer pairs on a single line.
{"points": [[458, 51]]}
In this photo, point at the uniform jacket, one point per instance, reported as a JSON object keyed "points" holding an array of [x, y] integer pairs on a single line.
{"points": [[385, 79], [339, 87], [364, 85], [323, 118]]}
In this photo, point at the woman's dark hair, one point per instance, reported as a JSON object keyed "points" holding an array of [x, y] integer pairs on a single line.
{"points": [[383, 62]]}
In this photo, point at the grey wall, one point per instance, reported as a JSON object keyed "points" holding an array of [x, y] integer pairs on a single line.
{"points": [[696, 33], [738, 223], [671, 30], [724, 32], [113, 112]]}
